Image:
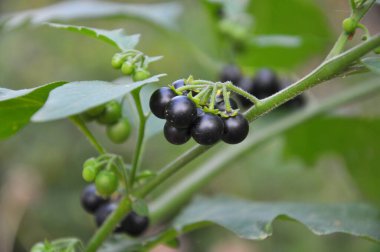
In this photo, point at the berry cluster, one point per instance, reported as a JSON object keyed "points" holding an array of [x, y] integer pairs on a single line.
{"points": [[264, 84], [101, 207], [198, 109], [110, 114], [133, 63]]}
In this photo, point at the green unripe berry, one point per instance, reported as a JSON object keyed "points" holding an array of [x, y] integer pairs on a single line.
{"points": [[111, 113], [96, 111], [140, 74], [117, 60], [106, 183], [89, 173], [377, 50], [120, 131], [349, 25], [127, 68]]}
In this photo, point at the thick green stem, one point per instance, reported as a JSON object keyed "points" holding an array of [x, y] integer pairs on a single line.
{"points": [[82, 127], [243, 93], [140, 138], [326, 71], [109, 225]]}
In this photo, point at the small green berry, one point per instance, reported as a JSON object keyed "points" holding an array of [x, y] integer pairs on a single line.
{"points": [[106, 182], [120, 131], [96, 111], [349, 25], [111, 113], [127, 68], [89, 173], [140, 74], [377, 50], [117, 60]]}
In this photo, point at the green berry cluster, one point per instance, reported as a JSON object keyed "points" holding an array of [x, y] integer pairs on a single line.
{"points": [[103, 172], [133, 63], [110, 114]]}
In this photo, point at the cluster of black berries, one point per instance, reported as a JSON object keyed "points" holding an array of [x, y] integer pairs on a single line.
{"points": [[264, 84], [184, 119], [110, 114], [133, 224]]}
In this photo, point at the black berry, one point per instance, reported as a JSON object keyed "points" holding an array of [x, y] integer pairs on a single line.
{"points": [[134, 224], [90, 200], [159, 99], [103, 212], [230, 73], [178, 83], [247, 85], [181, 112], [207, 129], [235, 129], [265, 83], [221, 106], [175, 135]]}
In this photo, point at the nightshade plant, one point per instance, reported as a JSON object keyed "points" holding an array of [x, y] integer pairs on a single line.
{"points": [[117, 192]]}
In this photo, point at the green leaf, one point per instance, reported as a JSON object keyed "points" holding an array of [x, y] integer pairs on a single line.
{"points": [[372, 63], [17, 106], [140, 207], [77, 97], [354, 140], [114, 37], [61, 245], [276, 40], [253, 220], [163, 14]]}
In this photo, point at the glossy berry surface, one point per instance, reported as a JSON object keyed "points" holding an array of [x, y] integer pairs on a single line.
{"points": [[236, 129], [134, 224], [111, 113], [230, 73], [180, 83], [106, 182], [181, 112], [159, 99], [207, 129], [175, 135], [90, 200], [120, 131], [103, 212]]}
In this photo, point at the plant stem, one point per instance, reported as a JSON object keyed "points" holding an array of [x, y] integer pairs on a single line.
{"points": [[82, 127], [180, 192], [140, 138], [325, 71], [109, 225], [243, 93]]}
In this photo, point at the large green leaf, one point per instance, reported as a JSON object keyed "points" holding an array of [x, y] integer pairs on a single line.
{"points": [[355, 140], [114, 37], [163, 14], [253, 220], [372, 63], [76, 97], [17, 106]]}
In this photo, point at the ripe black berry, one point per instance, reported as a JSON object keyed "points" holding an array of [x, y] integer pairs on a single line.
{"points": [[247, 85], [207, 129], [230, 73], [235, 129], [90, 200], [175, 135], [178, 83], [181, 112], [265, 83], [221, 106], [159, 99], [134, 224]]}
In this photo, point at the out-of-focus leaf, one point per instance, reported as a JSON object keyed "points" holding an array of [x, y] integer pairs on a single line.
{"points": [[372, 63], [62, 245], [76, 97], [355, 140], [276, 41], [114, 37], [163, 14], [253, 220], [274, 17], [17, 106]]}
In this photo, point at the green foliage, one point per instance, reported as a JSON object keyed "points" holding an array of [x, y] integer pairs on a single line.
{"points": [[59, 245], [372, 63], [163, 14], [76, 97], [355, 140], [114, 37], [253, 220], [17, 106]]}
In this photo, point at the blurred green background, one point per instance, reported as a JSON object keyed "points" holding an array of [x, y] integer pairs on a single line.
{"points": [[40, 168]]}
